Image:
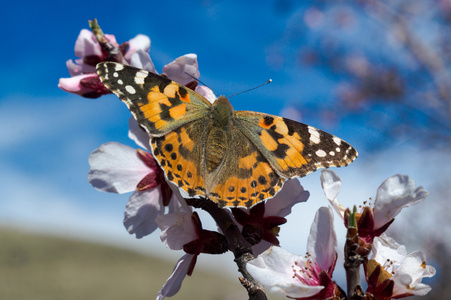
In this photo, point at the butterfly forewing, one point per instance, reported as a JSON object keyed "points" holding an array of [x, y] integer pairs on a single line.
{"points": [[292, 148], [158, 104]]}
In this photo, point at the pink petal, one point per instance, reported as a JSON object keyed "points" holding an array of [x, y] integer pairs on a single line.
{"points": [[395, 193], [87, 44], [72, 84], [177, 69], [322, 241], [137, 134], [291, 194], [142, 60], [116, 168], [331, 185], [273, 269], [174, 282], [141, 211], [74, 68], [410, 273], [176, 229], [139, 42], [206, 92]]}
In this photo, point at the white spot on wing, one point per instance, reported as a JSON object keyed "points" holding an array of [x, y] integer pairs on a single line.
{"points": [[118, 67], [337, 141], [320, 153], [130, 89], [120, 81], [141, 74], [115, 74], [139, 80], [314, 135]]}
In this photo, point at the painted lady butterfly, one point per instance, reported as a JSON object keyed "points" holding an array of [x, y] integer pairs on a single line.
{"points": [[234, 158]]}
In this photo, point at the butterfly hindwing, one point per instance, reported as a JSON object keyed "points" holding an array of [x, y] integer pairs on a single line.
{"points": [[180, 154], [158, 104], [244, 177], [292, 148]]}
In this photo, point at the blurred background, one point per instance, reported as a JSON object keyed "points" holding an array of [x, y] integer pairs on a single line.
{"points": [[375, 73]]}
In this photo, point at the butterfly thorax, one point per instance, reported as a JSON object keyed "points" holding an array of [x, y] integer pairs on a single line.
{"points": [[221, 118]]}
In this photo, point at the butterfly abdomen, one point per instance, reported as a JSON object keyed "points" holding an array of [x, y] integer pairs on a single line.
{"points": [[216, 146]]}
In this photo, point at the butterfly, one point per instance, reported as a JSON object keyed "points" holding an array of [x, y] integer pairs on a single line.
{"points": [[234, 158]]}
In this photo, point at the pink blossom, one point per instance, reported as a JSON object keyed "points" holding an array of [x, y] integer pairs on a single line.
{"points": [[395, 193], [183, 230], [183, 70], [392, 273], [84, 80], [174, 282], [298, 276]]}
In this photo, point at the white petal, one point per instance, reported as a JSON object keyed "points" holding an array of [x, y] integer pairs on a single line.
{"points": [[141, 211], [291, 194], [140, 42], [137, 134], [331, 185], [142, 60], [410, 273], [322, 240], [87, 44], [183, 70], [116, 168], [174, 282], [395, 193], [176, 230], [273, 269], [386, 248], [206, 92]]}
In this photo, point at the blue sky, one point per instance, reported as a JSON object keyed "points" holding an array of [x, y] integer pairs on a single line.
{"points": [[47, 134]]}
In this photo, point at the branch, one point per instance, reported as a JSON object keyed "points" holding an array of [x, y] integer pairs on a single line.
{"points": [[236, 243], [353, 260]]}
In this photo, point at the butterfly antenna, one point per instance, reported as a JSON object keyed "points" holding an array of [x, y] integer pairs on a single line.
{"points": [[255, 87], [197, 79]]}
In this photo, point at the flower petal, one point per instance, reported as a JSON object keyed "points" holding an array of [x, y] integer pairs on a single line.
{"points": [[206, 92], [331, 185], [410, 273], [291, 194], [176, 229], [174, 282], [322, 240], [116, 168], [87, 44], [183, 69], [395, 193], [385, 247], [141, 211], [140, 42], [137, 134], [273, 268], [142, 60]]}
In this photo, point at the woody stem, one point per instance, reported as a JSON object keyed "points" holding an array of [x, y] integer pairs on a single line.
{"points": [[236, 243]]}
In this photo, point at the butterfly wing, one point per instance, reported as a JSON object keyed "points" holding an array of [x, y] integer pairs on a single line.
{"points": [[244, 177], [293, 149], [180, 153], [172, 114], [158, 104]]}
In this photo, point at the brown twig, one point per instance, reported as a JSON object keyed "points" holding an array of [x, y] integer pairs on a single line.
{"points": [[237, 244], [353, 259]]}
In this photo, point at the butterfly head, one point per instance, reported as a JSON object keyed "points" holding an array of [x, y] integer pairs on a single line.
{"points": [[222, 111]]}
